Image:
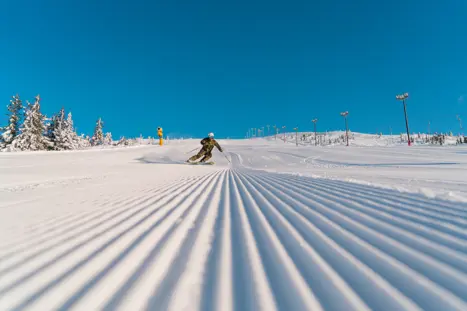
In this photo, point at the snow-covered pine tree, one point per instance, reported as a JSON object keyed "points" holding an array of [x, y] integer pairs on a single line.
{"points": [[50, 129], [122, 142], [98, 137], [65, 135], [108, 139], [72, 131], [54, 129], [84, 141], [11, 131], [33, 129]]}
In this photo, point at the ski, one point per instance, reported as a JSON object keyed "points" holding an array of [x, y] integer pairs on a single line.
{"points": [[201, 163]]}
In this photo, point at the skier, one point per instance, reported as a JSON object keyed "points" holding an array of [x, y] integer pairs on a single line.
{"points": [[208, 144]]}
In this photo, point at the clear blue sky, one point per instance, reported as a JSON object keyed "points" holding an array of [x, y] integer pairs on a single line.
{"points": [[224, 66]]}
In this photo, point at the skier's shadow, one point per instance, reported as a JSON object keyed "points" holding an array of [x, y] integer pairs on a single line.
{"points": [[159, 160]]}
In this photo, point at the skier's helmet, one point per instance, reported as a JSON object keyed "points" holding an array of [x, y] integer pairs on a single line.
{"points": [[211, 135]]}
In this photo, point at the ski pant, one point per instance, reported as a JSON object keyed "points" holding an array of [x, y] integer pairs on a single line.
{"points": [[206, 153]]}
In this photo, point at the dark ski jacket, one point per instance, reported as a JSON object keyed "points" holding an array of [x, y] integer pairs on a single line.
{"points": [[209, 144]]}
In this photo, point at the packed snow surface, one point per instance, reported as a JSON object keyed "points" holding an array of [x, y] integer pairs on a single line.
{"points": [[281, 227]]}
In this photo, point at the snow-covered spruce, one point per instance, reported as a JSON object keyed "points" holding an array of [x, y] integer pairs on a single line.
{"points": [[123, 142], [126, 142], [108, 139], [32, 130], [84, 141], [61, 133], [73, 136], [11, 131], [98, 137]]}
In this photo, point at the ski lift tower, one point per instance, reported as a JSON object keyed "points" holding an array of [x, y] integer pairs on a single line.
{"points": [[296, 136], [314, 123], [460, 121], [402, 98], [345, 114]]}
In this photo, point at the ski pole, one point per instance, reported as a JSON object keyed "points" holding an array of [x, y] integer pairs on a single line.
{"points": [[191, 150], [226, 157]]}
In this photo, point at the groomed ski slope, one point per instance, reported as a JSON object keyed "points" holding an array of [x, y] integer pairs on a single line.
{"points": [[279, 228]]}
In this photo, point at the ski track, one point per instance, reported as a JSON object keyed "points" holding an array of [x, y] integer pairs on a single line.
{"points": [[241, 239]]}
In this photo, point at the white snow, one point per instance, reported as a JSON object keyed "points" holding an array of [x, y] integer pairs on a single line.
{"points": [[374, 226]]}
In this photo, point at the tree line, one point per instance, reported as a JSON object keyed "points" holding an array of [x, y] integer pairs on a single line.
{"points": [[29, 129]]}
